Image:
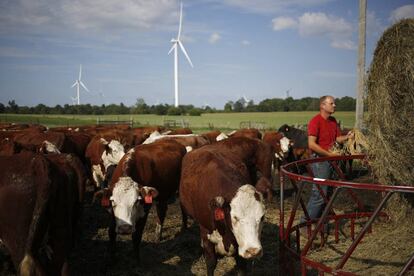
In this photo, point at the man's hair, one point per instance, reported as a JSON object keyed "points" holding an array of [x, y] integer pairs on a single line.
{"points": [[323, 98]]}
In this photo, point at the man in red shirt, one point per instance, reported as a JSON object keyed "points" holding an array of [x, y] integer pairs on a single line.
{"points": [[323, 132]]}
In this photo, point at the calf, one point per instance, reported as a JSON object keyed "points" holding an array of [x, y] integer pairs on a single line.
{"points": [[230, 212], [146, 173]]}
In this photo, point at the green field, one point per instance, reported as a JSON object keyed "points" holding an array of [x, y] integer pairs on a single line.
{"points": [[222, 121]]}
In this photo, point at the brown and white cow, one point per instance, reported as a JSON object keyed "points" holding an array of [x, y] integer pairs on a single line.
{"points": [[180, 131], [38, 203], [190, 141], [280, 145], [214, 136], [45, 142], [214, 191], [256, 155], [102, 155], [252, 133], [146, 174]]}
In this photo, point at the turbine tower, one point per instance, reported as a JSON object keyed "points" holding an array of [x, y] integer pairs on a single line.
{"points": [[79, 83], [177, 42]]}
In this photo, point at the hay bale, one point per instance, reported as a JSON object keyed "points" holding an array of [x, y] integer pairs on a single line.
{"points": [[390, 103]]}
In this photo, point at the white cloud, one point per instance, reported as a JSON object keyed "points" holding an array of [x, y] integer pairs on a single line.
{"points": [[245, 42], [91, 14], [344, 44], [214, 38], [319, 23], [406, 11], [283, 22], [338, 30]]}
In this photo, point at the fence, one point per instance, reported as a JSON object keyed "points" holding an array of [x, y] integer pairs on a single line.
{"points": [[129, 122], [290, 234], [252, 124]]}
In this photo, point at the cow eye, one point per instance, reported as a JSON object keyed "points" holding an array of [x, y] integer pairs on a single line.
{"points": [[262, 218], [236, 219]]}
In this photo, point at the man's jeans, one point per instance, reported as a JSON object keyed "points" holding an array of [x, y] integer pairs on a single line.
{"points": [[316, 203]]}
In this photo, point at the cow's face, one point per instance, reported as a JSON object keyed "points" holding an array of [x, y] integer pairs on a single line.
{"points": [[128, 205], [284, 144], [48, 147], [247, 214], [113, 153]]}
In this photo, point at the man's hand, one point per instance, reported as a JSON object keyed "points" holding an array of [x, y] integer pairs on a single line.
{"points": [[350, 135]]}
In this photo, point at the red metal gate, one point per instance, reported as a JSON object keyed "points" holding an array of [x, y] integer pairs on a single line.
{"points": [[292, 251]]}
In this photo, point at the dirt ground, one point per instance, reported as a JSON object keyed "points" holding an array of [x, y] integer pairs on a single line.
{"points": [[180, 253]]}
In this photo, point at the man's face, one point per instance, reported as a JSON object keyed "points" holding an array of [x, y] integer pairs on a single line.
{"points": [[329, 105]]}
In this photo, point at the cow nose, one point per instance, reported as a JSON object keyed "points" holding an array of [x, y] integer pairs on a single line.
{"points": [[253, 252], [124, 229]]}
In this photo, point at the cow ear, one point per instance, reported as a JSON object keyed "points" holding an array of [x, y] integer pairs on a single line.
{"points": [[263, 186], [217, 207], [103, 197], [148, 193]]}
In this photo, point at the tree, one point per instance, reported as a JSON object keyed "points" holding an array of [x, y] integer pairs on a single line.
{"points": [[174, 111], [228, 107], [195, 112], [141, 107], [2, 108], [239, 105], [159, 109], [13, 107]]}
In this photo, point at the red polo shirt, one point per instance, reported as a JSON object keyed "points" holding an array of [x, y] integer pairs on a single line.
{"points": [[325, 131]]}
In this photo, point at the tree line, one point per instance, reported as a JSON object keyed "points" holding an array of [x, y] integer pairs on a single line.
{"points": [[140, 107]]}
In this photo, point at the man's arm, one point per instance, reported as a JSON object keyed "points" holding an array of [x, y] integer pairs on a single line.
{"points": [[343, 138], [316, 148]]}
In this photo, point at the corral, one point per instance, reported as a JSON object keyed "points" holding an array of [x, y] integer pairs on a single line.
{"points": [[180, 253]]}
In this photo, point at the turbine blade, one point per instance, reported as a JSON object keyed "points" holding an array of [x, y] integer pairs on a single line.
{"points": [[80, 72], [181, 20], [172, 48], [73, 85], [185, 53], [81, 83]]}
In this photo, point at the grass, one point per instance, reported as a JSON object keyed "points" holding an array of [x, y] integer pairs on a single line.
{"points": [[222, 121]]}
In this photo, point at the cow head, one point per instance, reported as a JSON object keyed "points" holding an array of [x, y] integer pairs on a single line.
{"points": [[48, 147], [221, 136], [285, 145], [113, 153], [128, 201], [247, 215]]}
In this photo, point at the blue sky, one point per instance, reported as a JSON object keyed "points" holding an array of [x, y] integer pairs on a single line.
{"points": [[253, 48]]}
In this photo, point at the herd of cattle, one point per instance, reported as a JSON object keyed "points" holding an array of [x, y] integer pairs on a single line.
{"points": [[221, 181]]}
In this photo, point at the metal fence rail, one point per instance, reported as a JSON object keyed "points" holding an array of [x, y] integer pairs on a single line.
{"points": [[291, 251]]}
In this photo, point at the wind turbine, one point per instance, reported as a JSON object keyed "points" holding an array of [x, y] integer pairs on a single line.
{"points": [[79, 83], [177, 42]]}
